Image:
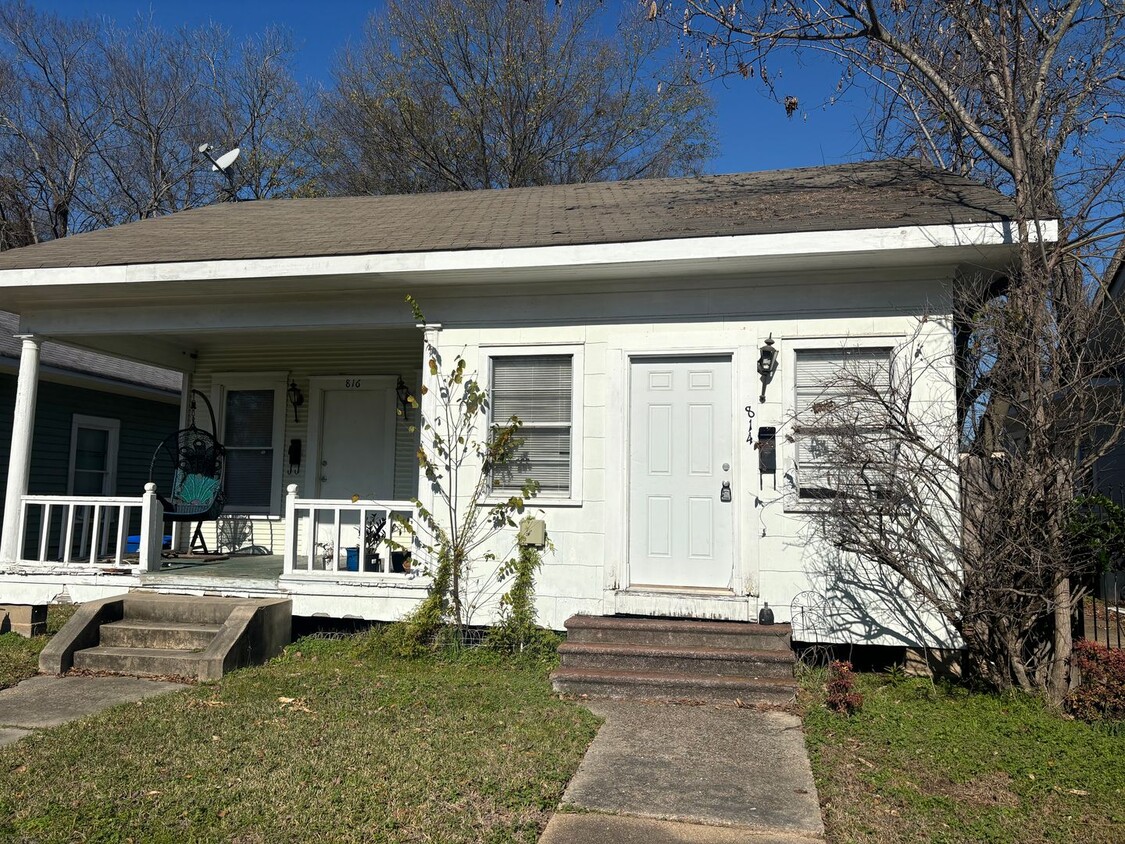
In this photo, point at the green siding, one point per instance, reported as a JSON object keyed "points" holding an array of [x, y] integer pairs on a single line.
{"points": [[144, 424]]}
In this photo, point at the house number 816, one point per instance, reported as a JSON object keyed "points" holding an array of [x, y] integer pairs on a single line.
{"points": [[352, 383]]}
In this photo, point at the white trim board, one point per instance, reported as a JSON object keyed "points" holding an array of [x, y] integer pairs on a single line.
{"points": [[841, 242]]}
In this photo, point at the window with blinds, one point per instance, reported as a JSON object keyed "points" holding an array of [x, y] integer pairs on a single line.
{"points": [[538, 390], [248, 437], [837, 401]]}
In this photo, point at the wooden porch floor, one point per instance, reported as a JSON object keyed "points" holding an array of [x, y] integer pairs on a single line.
{"points": [[239, 567]]}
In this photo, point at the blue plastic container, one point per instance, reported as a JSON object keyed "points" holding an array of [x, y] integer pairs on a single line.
{"points": [[351, 556], [133, 543]]}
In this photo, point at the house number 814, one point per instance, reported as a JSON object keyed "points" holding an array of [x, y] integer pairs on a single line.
{"points": [[352, 383]]}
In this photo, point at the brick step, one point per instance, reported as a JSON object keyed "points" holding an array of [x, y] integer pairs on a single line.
{"points": [[677, 660], [183, 609], [734, 635], [151, 662], [655, 685], [170, 635]]}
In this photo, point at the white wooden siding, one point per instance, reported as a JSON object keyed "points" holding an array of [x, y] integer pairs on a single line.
{"points": [[302, 362], [775, 564]]}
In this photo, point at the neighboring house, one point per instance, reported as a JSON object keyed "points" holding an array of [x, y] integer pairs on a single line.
{"points": [[1109, 474], [623, 322], [98, 418]]}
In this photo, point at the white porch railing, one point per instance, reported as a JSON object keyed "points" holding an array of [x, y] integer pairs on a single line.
{"points": [[340, 539], [91, 531]]}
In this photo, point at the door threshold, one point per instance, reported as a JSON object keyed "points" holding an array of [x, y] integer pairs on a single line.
{"points": [[696, 591]]}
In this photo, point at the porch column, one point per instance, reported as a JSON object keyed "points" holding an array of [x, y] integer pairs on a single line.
{"points": [[19, 462]]}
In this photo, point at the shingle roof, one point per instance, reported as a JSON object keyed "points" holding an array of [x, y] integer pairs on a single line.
{"points": [[88, 363], [877, 194]]}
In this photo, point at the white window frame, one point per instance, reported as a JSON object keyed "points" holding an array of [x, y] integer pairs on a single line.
{"points": [[276, 381], [788, 464], [113, 442], [574, 350]]}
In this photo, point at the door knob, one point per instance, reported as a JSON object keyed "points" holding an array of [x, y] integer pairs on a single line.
{"points": [[323, 479]]}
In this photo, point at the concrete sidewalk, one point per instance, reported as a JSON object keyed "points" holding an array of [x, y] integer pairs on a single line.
{"points": [[47, 701], [666, 774]]}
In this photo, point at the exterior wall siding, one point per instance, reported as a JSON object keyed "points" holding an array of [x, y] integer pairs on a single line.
{"points": [[588, 572], [144, 424]]}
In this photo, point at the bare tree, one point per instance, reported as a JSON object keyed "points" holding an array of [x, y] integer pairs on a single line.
{"points": [[147, 163], [256, 103], [506, 93], [100, 124], [971, 543], [53, 115], [1029, 96]]}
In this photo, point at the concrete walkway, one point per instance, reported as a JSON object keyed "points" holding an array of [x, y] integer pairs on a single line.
{"points": [[48, 701], [665, 774]]}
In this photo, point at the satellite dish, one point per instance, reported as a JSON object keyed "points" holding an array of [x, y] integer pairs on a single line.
{"points": [[222, 165], [225, 160]]}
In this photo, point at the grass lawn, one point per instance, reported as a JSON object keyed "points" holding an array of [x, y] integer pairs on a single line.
{"points": [[19, 657], [321, 744], [926, 763]]}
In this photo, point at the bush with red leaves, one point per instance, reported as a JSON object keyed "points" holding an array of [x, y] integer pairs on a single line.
{"points": [[1101, 694], [841, 694]]}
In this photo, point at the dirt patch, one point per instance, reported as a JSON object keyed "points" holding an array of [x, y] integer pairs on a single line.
{"points": [[886, 819], [846, 788], [994, 789]]}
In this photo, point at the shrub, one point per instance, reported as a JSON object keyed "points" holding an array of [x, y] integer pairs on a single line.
{"points": [[841, 695], [1100, 695]]}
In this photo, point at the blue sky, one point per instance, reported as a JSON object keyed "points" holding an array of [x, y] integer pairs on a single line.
{"points": [[753, 132]]}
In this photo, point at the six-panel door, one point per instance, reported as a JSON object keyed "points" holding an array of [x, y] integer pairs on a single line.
{"points": [[681, 524]]}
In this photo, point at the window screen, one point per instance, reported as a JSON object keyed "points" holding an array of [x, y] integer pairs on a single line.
{"points": [[538, 390], [248, 437], [837, 400]]}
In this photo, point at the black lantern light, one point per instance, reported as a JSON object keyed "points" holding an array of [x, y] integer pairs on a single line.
{"points": [[767, 358], [767, 363], [403, 393], [296, 398]]}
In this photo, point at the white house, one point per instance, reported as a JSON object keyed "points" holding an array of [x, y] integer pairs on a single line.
{"points": [[623, 322]]}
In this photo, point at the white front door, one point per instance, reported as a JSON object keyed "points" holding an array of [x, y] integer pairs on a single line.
{"points": [[681, 530], [357, 455]]}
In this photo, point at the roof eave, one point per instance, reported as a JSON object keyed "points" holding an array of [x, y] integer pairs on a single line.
{"points": [[452, 263]]}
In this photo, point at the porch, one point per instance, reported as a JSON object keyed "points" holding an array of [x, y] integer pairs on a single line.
{"points": [[319, 473], [80, 545]]}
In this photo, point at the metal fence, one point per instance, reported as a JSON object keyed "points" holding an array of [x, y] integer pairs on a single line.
{"points": [[1103, 612]]}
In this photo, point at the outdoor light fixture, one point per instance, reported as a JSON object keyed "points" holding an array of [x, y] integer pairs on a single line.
{"points": [[296, 398], [403, 393], [767, 363]]}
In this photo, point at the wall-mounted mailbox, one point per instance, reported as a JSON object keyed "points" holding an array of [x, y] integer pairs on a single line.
{"points": [[767, 450]]}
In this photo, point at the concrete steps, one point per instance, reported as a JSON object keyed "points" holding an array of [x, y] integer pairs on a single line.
{"points": [[141, 662], [676, 659], [146, 634], [142, 633], [665, 658]]}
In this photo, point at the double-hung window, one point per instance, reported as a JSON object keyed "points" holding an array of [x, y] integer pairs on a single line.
{"points": [[93, 455], [249, 417], [539, 391], [840, 414]]}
